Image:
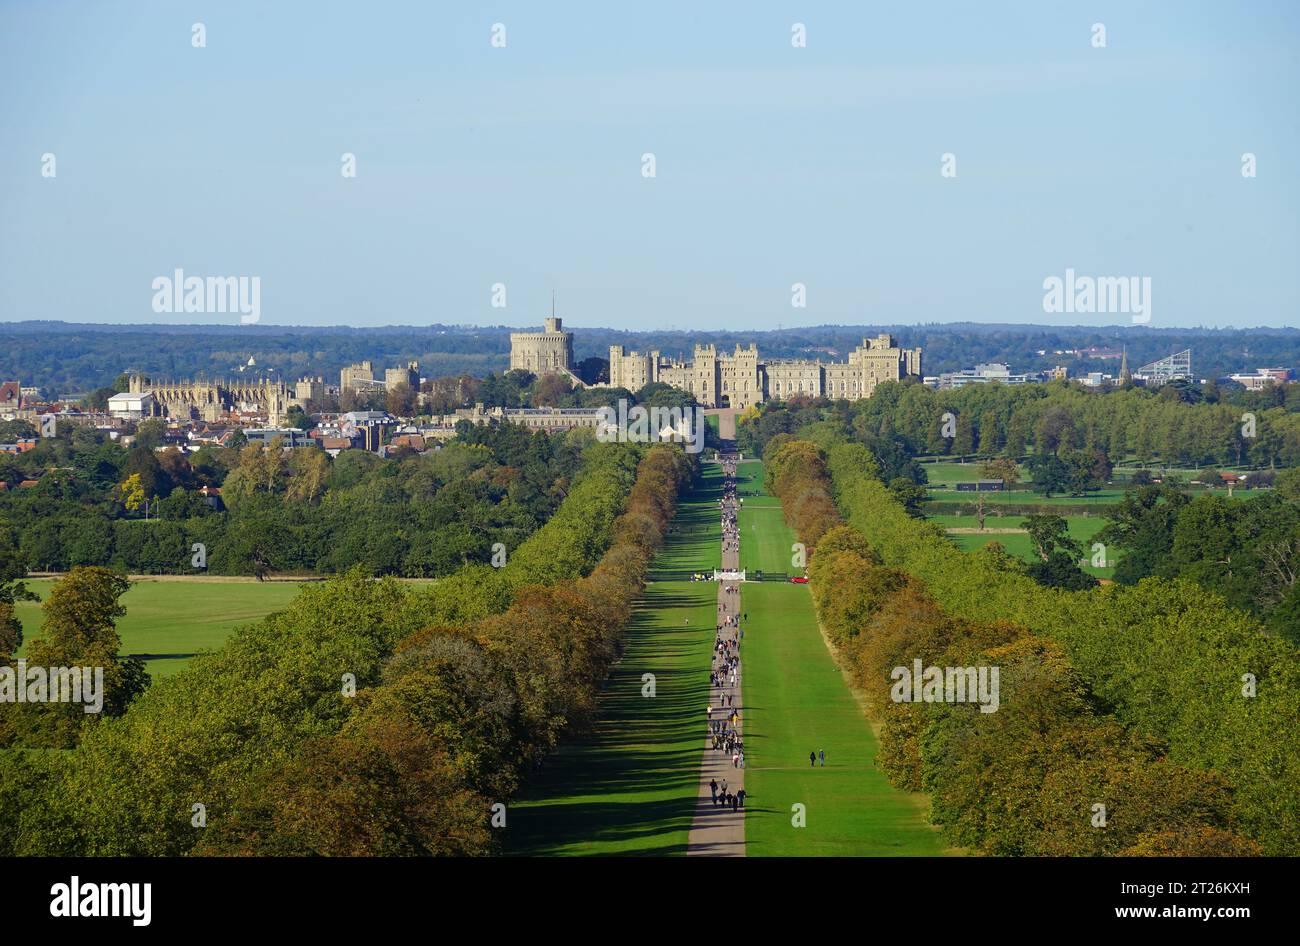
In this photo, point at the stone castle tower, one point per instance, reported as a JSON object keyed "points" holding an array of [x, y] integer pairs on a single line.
{"points": [[549, 351]]}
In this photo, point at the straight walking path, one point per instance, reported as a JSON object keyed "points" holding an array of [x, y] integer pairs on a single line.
{"points": [[719, 829]]}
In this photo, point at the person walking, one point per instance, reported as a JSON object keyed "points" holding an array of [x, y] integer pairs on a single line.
{"points": [[713, 787], [822, 753], [740, 798], [812, 759]]}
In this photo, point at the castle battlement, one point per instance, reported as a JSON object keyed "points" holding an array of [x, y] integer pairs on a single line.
{"points": [[742, 378]]}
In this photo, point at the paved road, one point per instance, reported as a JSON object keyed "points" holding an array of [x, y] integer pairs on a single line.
{"points": [[717, 830]]}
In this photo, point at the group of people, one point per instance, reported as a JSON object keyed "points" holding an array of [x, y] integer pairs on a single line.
{"points": [[724, 674], [727, 799]]}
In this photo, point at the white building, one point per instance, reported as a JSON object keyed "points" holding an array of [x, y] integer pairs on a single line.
{"points": [[133, 406]]}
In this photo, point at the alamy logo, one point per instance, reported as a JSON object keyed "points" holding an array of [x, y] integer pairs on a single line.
{"points": [[1102, 294], [77, 899], [920, 684], [651, 425], [181, 293], [24, 684]]}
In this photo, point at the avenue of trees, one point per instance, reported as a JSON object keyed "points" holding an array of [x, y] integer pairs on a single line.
{"points": [[368, 717], [1099, 745], [1203, 682]]}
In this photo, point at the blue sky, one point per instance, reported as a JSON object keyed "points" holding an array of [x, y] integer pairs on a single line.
{"points": [[774, 165]]}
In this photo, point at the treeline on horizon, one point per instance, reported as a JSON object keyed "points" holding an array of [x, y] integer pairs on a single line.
{"points": [[1132, 721], [459, 690], [68, 359]]}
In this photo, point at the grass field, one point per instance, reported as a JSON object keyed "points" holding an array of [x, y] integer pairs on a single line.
{"points": [[168, 622], [797, 701], [1082, 528], [630, 787], [762, 546]]}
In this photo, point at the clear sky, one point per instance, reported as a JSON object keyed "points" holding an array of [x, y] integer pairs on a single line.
{"points": [[774, 165]]}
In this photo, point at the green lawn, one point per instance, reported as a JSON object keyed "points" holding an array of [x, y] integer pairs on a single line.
{"points": [[1081, 528], [795, 701], [630, 786], [168, 622]]}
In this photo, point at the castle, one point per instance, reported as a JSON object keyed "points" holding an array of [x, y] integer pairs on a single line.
{"points": [[738, 379]]}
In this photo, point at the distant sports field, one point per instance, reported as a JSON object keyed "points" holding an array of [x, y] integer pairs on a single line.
{"points": [[168, 622]]}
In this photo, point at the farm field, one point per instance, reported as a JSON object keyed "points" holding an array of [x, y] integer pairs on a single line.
{"points": [[168, 622]]}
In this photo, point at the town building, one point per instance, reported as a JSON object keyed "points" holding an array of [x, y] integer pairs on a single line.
{"points": [[133, 405], [982, 374], [1177, 366], [1263, 377]]}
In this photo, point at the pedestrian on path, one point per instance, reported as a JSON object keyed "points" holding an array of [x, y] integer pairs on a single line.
{"points": [[822, 753], [713, 787], [812, 759], [740, 797]]}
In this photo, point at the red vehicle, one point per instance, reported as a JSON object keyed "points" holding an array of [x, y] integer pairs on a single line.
{"points": [[799, 580]]}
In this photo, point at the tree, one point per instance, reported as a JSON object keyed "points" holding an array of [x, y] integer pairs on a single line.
{"points": [[1143, 526], [658, 394], [401, 400], [550, 390], [1287, 483], [79, 630], [1002, 468], [1050, 473], [1017, 434], [309, 468], [297, 418], [1055, 430], [1085, 470], [989, 434], [1049, 533], [909, 494], [964, 443], [132, 493], [149, 434]]}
